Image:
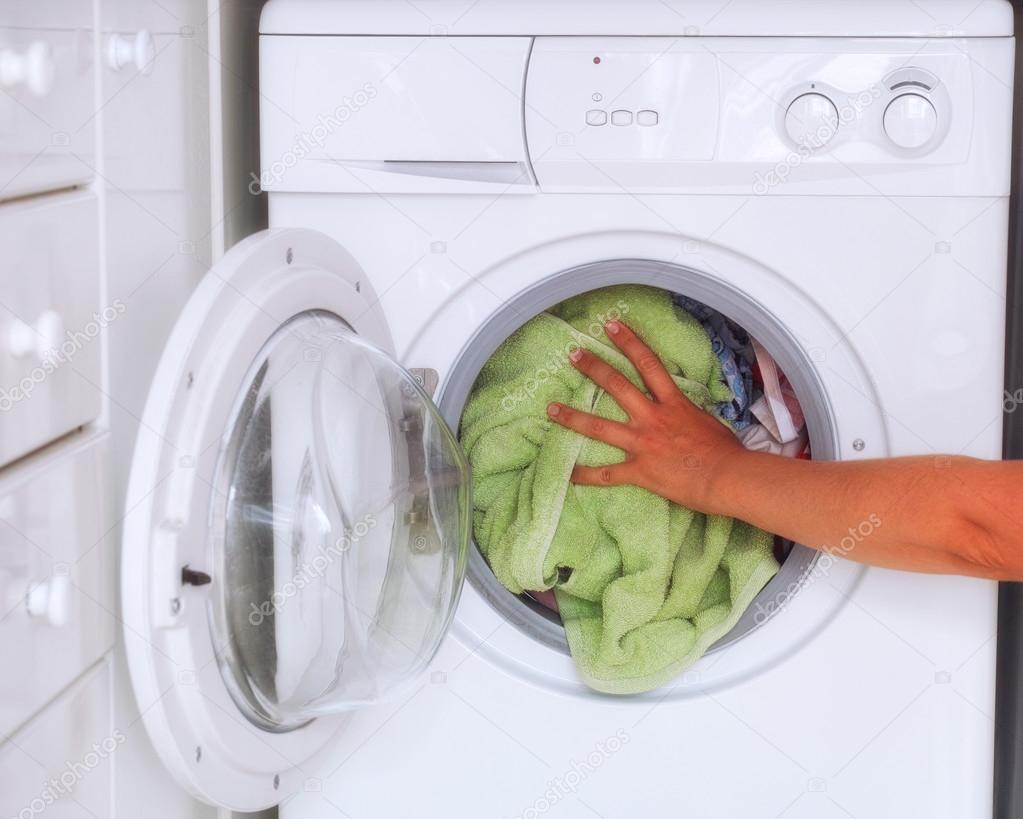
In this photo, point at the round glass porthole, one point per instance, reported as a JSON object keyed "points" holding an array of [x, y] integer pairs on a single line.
{"points": [[339, 527]]}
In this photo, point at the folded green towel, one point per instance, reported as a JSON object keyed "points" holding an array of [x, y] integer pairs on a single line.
{"points": [[644, 586]]}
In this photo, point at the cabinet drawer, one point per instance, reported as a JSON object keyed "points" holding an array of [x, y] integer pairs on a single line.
{"points": [[59, 765], [56, 573], [50, 330], [47, 110]]}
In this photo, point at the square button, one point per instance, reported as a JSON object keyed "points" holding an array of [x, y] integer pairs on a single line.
{"points": [[646, 117], [621, 117], [595, 116]]}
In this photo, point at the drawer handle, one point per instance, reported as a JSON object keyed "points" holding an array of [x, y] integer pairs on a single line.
{"points": [[39, 339], [126, 49], [33, 68], [51, 600]]}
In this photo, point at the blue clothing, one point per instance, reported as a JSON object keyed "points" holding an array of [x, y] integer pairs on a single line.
{"points": [[734, 350]]}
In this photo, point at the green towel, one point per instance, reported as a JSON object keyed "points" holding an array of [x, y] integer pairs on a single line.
{"points": [[644, 585]]}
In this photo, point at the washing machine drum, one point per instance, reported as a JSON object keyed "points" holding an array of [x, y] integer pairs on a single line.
{"points": [[527, 600]]}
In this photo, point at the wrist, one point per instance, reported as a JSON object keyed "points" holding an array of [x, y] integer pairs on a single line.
{"points": [[726, 479]]}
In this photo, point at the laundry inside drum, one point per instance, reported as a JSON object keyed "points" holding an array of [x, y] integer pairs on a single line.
{"points": [[720, 365]]}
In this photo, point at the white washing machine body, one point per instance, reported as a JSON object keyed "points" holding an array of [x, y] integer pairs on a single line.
{"points": [[456, 180]]}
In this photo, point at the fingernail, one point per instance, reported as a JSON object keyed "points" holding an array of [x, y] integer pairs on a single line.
{"points": [[576, 354], [612, 327], [553, 409]]}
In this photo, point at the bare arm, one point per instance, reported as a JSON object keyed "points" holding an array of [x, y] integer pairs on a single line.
{"points": [[947, 514]]}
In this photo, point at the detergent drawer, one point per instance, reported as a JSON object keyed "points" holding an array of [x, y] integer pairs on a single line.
{"points": [[56, 573], [50, 332], [59, 765], [47, 108], [393, 114]]}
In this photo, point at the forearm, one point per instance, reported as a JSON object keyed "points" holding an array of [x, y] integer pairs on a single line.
{"points": [[937, 514]]}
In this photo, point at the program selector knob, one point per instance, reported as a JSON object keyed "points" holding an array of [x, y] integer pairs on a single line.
{"points": [[910, 121], [811, 120]]}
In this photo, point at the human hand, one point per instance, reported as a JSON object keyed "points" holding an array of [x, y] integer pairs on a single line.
{"points": [[671, 446]]}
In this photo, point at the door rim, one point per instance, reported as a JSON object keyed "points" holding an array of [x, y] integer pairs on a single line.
{"points": [[208, 746]]}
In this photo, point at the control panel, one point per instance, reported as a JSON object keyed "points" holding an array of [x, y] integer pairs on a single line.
{"points": [[728, 113], [882, 116], [621, 116], [617, 98], [907, 113]]}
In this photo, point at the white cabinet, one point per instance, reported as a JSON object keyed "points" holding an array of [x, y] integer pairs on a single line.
{"points": [[47, 109], [51, 327], [59, 765], [56, 575], [105, 175], [147, 106], [156, 165]]}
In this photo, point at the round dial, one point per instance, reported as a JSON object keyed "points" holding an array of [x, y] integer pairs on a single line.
{"points": [[910, 120], [811, 120]]}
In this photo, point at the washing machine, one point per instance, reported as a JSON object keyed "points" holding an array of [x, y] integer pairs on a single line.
{"points": [[307, 621]]}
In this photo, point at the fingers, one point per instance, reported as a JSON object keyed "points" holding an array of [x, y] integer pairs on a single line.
{"points": [[593, 426], [612, 475], [627, 395], [652, 371]]}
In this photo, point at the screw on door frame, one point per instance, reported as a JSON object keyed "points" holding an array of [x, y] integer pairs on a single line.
{"points": [[859, 444], [427, 378]]}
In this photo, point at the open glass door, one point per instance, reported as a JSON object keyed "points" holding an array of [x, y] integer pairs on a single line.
{"points": [[297, 527]]}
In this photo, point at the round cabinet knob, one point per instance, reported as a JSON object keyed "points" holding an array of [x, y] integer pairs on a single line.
{"points": [[138, 50], [51, 600], [811, 120], [39, 339], [34, 69], [910, 121]]}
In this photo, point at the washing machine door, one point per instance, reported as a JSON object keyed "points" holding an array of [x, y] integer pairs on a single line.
{"points": [[298, 519]]}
